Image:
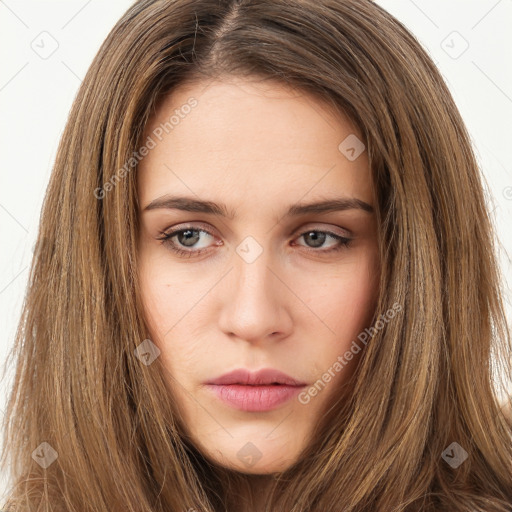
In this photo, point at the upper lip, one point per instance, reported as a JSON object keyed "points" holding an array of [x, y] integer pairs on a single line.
{"points": [[262, 377]]}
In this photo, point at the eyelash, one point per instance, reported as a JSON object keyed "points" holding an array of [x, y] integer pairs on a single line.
{"points": [[166, 237]]}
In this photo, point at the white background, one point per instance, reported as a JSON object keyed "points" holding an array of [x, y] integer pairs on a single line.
{"points": [[36, 94]]}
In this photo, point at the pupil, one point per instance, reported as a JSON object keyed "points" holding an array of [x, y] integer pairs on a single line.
{"points": [[318, 238], [189, 241]]}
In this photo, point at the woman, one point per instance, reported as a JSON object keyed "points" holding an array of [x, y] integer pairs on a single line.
{"points": [[265, 277]]}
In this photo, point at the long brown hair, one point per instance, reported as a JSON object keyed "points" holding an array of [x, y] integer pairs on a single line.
{"points": [[90, 428]]}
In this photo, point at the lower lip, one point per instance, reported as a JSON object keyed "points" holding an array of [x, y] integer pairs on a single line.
{"points": [[254, 398]]}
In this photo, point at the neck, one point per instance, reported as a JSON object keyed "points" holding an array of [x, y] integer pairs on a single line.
{"points": [[258, 488]]}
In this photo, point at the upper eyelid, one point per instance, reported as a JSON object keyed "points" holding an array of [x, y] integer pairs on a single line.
{"points": [[191, 226], [345, 232]]}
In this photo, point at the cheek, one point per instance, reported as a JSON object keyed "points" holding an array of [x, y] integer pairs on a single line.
{"points": [[172, 300], [356, 299], [346, 306], [167, 294], [346, 300], [166, 314]]}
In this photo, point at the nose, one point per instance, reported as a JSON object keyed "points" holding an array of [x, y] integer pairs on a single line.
{"points": [[255, 301]]}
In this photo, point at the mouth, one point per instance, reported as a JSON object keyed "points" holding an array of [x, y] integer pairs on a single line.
{"points": [[261, 391]]}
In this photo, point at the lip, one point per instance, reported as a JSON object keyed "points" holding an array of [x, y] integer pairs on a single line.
{"points": [[262, 377], [259, 391]]}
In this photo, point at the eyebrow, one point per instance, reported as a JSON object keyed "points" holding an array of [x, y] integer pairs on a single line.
{"points": [[189, 204]]}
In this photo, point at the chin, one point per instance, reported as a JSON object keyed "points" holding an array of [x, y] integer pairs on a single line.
{"points": [[254, 455]]}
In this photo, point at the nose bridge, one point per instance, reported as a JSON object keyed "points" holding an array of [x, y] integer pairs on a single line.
{"points": [[253, 305], [252, 279]]}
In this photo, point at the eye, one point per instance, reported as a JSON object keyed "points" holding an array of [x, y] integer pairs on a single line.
{"points": [[316, 238], [188, 237], [185, 237]]}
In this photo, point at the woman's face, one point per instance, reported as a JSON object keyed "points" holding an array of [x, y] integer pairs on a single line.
{"points": [[263, 279]]}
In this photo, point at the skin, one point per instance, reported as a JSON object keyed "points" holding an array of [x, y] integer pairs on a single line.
{"points": [[258, 148]]}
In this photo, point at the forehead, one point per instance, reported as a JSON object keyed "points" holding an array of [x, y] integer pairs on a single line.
{"points": [[250, 137]]}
